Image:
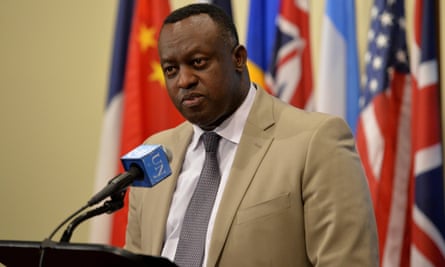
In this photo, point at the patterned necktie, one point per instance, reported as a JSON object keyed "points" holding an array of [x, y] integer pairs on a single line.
{"points": [[191, 245]]}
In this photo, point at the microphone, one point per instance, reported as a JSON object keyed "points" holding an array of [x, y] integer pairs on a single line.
{"points": [[145, 166]]}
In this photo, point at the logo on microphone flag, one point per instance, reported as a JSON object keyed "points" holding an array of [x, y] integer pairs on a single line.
{"points": [[152, 160]]}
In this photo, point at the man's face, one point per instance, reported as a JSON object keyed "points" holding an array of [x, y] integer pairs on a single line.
{"points": [[200, 71]]}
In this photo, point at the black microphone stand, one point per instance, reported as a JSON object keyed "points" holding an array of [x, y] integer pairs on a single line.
{"points": [[115, 203]]}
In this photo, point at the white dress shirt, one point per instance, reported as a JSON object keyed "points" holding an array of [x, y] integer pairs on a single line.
{"points": [[230, 131]]}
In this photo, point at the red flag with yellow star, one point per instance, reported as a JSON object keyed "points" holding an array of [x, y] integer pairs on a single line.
{"points": [[147, 108]]}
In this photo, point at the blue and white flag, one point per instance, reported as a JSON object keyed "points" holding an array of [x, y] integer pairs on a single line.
{"points": [[338, 86]]}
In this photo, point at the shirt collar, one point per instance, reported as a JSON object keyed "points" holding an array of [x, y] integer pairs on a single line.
{"points": [[232, 128]]}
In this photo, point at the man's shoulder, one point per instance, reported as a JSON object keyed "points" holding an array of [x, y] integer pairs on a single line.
{"points": [[170, 135], [284, 112], [286, 116], [290, 119]]}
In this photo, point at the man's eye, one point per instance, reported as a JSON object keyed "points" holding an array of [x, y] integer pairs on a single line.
{"points": [[169, 70], [199, 62]]}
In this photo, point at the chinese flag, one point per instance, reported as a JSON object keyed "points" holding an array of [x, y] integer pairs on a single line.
{"points": [[147, 108]]}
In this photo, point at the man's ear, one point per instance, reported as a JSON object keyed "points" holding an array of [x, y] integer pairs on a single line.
{"points": [[240, 57]]}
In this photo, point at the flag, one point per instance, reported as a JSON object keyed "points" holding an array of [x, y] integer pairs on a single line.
{"points": [[147, 108], [289, 75], [260, 38], [225, 5], [428, 207], [399, 136], [338, 86], [107, 167], [383, 130]]}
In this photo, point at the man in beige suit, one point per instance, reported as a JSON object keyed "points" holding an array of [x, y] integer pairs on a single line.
{"points": [[292, 189]]}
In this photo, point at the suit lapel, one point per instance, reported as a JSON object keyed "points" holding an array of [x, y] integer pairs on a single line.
{"points": [[253, 145]]}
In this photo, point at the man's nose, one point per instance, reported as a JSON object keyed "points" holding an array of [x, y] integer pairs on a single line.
{"points": [[187, 78]]}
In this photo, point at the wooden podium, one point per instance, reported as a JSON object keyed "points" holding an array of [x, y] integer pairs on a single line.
{"points": [[51, 254]]}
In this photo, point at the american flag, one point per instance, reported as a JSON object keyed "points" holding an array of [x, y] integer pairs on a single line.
{"points": [[428, 211], [399, 139], [383, 131], [290, 73]]}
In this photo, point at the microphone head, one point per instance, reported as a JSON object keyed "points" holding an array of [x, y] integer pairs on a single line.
{"points": [[151, 160]]}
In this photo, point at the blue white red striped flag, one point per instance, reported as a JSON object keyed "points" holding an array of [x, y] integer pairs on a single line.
{"points": [[289, 75], [383, 130], [110, 140], [338, 86], [428, 208]]}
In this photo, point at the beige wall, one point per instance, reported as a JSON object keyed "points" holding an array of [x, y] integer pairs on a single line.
{"points": [[54, 61], [54, 64]]}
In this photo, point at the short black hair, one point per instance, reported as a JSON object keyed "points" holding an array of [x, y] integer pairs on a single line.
{"points": [[218, 15]]}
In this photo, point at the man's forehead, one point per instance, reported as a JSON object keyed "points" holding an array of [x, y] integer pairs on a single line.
{"points": [[195, 26], [198, 21]]}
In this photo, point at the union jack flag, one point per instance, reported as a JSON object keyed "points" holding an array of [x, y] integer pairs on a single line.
{"points": [[428, 211], [290, 73], [398, 135]]}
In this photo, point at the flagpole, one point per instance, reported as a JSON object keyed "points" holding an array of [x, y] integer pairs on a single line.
{"points": [[441, 59]]}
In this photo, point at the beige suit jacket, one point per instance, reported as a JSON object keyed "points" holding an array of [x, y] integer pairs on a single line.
{"points": [[296, 195]]}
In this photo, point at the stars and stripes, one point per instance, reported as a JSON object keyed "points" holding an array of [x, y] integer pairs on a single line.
{"points": [[383, 131]]}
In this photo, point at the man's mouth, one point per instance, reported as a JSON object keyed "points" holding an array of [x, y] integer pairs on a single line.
{"points": [[192, 100]]}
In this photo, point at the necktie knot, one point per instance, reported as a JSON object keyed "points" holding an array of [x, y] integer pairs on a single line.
{"points": [[211, 141]]}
